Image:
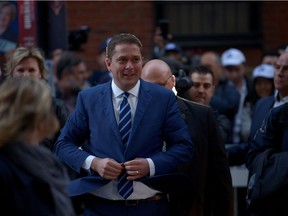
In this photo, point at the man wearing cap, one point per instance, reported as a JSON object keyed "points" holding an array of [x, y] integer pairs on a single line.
{"points": [[233, 61], [263, 81], [263, 86], [176, 59]]}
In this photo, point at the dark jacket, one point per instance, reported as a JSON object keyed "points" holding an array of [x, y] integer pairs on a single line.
{"points": [[272, 135], [61, 112], [226, 99], [209, 169], [32, 182]]}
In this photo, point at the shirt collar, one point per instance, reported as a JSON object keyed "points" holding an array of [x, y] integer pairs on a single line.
{"points": [[117, 91], [277, 98]]}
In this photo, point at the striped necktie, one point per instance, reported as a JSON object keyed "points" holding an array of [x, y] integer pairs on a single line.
{"points": [[125, 119], [125, 188]]}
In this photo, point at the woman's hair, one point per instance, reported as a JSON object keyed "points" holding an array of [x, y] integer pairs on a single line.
{"points": [[25, 104], [22, 53]]}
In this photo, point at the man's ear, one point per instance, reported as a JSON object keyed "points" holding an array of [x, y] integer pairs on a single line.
{"points": [[173, 79], [108, 63]]}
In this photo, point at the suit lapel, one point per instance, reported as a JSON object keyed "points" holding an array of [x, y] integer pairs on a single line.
{"points": [[107, 105], [144, 99]]}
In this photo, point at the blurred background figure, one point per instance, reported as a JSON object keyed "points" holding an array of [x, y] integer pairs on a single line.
{"points": [[226, 97], [161, 37], [101, 74], [27, 62], [7, 35], [233, 61], [72, 77], [32, 180], [269, 57], [263, 82], [263, 86], [177, 59]]}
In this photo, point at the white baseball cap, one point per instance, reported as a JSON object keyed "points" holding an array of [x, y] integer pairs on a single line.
{"points": [[263, 70], [232, 57], [172, 47]]}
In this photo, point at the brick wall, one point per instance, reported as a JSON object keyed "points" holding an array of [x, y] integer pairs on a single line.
{"points": [[106, 18], [275, 16]]}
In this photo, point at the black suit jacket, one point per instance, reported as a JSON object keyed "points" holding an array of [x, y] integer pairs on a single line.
{"points": [[209, 170]]}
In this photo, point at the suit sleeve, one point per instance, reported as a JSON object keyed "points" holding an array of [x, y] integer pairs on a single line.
{"points": [[180, 148], [72, 136]]}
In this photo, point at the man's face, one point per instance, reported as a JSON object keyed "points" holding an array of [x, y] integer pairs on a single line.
{"points": [[81, 74], [74, 80], [210, 62], [269, 59], [281, 75], [235, 73], [125, 65], [263, 87], [5, 17], [202, 89]]}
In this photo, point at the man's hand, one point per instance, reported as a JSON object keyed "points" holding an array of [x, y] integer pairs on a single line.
{"points": [[107, 168], [136, 168]]}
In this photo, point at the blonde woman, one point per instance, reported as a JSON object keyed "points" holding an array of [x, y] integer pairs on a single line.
{"points": [[32, 180], [31, 62]]}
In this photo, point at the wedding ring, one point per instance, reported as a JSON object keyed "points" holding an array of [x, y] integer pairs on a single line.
{"points": [[137, 172]]}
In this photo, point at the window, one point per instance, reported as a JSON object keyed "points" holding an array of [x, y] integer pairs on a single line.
{"points": [[212, 24]]}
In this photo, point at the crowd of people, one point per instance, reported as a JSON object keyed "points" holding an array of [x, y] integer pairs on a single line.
{"points": [[135, 137]]}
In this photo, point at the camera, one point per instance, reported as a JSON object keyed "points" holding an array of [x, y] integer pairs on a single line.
{"points": [[183, 83]]}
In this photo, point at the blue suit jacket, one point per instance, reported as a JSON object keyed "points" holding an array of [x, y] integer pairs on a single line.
{"points": [[157, 119]]}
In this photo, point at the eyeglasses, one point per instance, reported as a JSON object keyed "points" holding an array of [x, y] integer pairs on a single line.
{"points": [[165, 82]]}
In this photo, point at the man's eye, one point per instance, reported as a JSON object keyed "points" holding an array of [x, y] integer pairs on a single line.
{"points": [[121, 60], [207, 86], [136, 60]]}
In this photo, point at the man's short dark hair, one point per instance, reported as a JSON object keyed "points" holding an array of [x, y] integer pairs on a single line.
{"points": [[67, 62]]}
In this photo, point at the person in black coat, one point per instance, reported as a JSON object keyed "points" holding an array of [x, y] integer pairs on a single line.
{"points": [[271, 143], [211, 192], [32, 180]]}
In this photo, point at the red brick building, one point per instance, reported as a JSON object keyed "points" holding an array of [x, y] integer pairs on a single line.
{"points": [[106, 18]]}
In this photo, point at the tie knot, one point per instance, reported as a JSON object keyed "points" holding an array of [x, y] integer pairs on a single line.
{"points": [[126, 95]]}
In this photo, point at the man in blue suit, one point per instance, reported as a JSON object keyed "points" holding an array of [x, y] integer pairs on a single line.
{"points": [[155, 119]]}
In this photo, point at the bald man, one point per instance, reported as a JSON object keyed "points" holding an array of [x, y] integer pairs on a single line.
{"points": [[209, 170]]}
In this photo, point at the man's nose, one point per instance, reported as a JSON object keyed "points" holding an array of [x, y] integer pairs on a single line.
{"points": [[26, 73], [128, 65]]}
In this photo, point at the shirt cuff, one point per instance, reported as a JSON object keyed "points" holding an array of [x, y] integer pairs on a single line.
{"points": [[151, 166], [87, 163]]}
